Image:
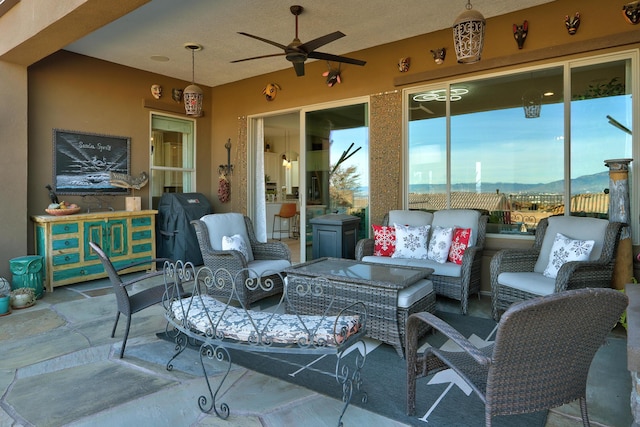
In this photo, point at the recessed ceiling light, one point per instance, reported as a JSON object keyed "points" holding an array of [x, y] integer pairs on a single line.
{"points": [[159, 58], [548, 94]]}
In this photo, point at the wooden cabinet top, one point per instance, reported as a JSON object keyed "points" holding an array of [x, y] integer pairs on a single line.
{"points": [[91, 216]]}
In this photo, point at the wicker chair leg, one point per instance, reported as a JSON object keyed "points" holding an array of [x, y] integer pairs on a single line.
{"points": [[126, 335], [583, 411], [113, 331]]}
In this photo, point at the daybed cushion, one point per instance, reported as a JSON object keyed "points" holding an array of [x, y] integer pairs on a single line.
{"points": [[584, 229], [279, 328], [226, 224]]}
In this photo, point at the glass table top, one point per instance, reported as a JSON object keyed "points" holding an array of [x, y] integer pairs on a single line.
{"points": [[357, 271]]}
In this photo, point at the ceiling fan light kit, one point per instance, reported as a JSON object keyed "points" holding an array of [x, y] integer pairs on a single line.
{"points": [[297, 52], [192, 94], [468, 35]]}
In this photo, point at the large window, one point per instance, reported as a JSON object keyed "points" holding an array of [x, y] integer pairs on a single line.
{"points": [[172, 156], [521, 146]]}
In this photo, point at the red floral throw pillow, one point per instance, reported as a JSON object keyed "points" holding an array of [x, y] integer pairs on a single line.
{"points": [[459, 243], [385, 240]]}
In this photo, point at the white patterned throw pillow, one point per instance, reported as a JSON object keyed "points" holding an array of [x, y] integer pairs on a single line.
{"points": [[565, 249], [235, 243], [411, 242], [440, 243]]}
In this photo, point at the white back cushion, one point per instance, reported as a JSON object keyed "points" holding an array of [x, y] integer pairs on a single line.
{"points": [[226, 224], [460, 218], [579, 228], [407, 217]]}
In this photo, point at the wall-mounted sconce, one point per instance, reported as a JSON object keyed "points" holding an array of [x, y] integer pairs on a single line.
{"points": [[228, 168]]}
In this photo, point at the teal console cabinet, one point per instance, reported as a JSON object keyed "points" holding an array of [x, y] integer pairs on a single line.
{"points": [[64, 242]]}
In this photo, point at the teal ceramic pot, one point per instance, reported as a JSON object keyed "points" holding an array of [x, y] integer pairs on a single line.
{"points": [[4, 304]]}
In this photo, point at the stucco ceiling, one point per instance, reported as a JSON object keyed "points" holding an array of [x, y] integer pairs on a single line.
{"points": [[162, 28]]}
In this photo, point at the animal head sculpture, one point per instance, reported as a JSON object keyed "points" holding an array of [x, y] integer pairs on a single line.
{"points": [[520, 33], [176, 94], [572, 24], [438, 55], [631, 12], [404, 64], [270, 91], [333, 76]]}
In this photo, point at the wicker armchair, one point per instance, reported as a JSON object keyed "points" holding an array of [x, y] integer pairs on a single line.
{"points": [[456, 283], [539, 360], [517, 274], [265, 260], [128, 304]]}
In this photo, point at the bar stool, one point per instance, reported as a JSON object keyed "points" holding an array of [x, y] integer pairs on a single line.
{"points": [[287, 212]]}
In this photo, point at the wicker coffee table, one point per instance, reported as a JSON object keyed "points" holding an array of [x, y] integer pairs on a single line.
{"points": [[390, 293]]}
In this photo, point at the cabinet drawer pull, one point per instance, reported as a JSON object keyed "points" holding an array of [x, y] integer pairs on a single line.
{"points": [[67, 258]]}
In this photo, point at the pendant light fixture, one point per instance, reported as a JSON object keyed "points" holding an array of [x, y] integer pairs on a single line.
{"points": [[192, 94], [468, 35]]}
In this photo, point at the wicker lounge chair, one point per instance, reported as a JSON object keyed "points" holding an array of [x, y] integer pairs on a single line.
{"points": [[517, 274], [130, 304], [264, 260], [540, 358]]}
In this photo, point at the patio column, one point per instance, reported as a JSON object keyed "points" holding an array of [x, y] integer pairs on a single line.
{"points": [[620, 211]]}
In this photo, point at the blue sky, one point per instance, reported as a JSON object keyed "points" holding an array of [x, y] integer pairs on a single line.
{"points": [[504, 146]]}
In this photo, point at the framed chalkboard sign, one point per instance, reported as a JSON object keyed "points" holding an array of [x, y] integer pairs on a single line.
{"points": [[82, 162]]}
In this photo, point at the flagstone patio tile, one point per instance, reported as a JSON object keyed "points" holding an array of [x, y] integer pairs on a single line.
{"points": [[37, 348], [24, 323], [43, 400]]}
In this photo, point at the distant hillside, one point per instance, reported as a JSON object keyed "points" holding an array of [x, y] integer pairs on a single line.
{"points": [[595, 183]]}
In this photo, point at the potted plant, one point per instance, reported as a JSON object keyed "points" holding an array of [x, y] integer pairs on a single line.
{"points": [[5, 298]]}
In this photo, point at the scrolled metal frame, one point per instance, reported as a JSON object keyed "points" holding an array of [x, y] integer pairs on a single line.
{"points": [[214, 344]]}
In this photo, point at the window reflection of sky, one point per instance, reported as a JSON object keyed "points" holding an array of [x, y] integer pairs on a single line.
{"points": [[511, 148], [341, 140]]}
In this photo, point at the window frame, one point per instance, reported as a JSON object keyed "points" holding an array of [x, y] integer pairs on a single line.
{"points": [[567, 66]]}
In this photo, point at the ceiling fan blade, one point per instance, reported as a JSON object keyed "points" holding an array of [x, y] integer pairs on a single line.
{"points": [[335, 58], [320, 41], [299, 67], [259, 57], [281, 46]]}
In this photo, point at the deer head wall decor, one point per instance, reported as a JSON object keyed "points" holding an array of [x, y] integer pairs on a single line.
{"points": [[520, 33], [572, 24]]}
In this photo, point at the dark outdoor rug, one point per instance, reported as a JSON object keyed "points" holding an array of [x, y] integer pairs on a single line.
{"points": [[442, 399]]}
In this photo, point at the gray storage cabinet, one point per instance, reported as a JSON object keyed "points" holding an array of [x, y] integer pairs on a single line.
{"points": [[334, 236]]}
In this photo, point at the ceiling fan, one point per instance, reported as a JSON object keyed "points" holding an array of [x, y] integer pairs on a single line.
{"points": [[297, 52]]}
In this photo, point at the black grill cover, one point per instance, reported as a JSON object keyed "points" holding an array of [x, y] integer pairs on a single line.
{"points": [[176, 238]]}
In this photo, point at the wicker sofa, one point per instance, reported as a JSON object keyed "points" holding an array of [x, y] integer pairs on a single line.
{"points": [[449, 279], [264, 260]]}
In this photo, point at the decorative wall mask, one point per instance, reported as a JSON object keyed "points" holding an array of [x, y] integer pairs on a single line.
{"points": [[156, 91], [572, 24], [631, 12], [439, 55], [176, 94], [404, 64], [332, 75], [270, 91], [520, 33]]}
